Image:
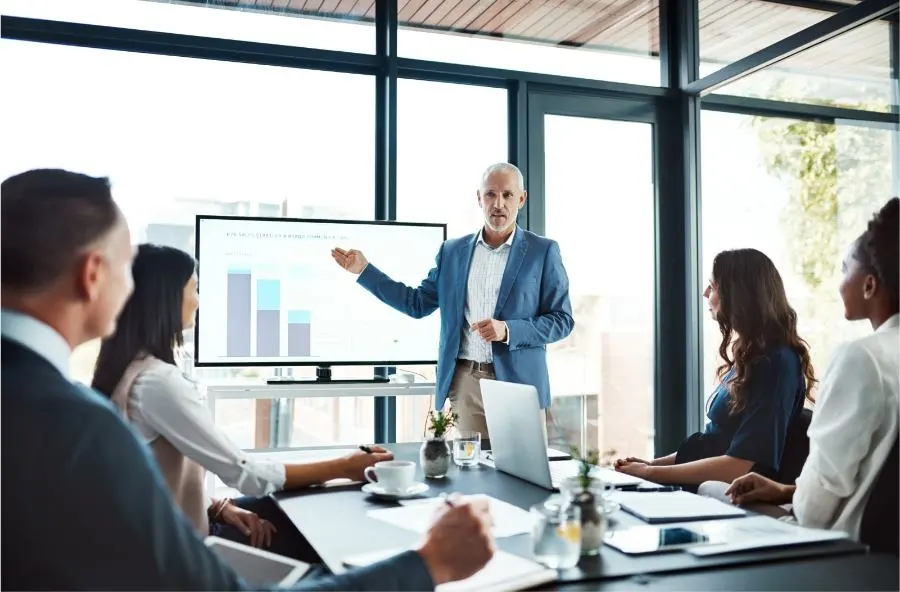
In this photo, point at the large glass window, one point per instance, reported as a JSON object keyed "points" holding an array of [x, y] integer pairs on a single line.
{"points": [[852, 70], [733, 29], [181, 137], [800, 192], [599, 207], [447, 134], [614, 40], [341, 25]]}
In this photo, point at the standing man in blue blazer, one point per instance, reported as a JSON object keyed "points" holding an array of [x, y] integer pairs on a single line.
{"points": [[503, 294]]}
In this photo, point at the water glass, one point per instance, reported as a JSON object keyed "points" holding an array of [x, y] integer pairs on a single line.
{"points": [[467, 449], [556, 534]]}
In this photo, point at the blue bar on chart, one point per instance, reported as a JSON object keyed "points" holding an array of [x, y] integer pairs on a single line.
{"points": [[238, 312], [268, 317], [299, 334]]}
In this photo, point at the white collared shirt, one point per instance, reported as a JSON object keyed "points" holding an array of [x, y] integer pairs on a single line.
{"points": [[165, 402], [482, 289], [37, 336], [854, 427]]}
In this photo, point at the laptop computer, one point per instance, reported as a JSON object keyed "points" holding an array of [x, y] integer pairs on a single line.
{"points": [[519, 439]]}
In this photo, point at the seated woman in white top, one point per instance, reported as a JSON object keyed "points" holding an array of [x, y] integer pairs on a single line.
{"points": [[136, 368], [855, 422]]}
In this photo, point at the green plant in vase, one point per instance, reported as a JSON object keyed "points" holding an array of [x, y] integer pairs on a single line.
{"points": [[434, 456], [586, 492]]}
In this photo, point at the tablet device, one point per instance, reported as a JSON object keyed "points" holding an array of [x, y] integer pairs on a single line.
{"points": [[256, 566], [641, 540]]}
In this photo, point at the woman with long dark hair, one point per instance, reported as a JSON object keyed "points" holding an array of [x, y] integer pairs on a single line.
{"points": [[137, 369], [765, 376], [855, 424]]}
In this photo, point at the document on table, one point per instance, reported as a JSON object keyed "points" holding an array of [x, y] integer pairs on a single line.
{"points": [[418, 515], [503, 572], [673, 506], [756, 532]]}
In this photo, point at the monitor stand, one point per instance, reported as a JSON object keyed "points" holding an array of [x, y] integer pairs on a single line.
{"points": [[323, 376]]}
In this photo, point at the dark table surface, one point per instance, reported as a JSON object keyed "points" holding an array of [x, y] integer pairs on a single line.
{"points": [[335, 522], [847, 572]]}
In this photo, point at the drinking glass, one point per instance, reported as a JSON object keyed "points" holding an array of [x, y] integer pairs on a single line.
{"points": [[467, 449], [556, 534]]}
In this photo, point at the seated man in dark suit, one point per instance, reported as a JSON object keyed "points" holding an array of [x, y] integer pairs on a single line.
{"points": [[85, 508]]}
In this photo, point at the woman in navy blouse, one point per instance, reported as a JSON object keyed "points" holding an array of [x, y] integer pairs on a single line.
{"points": [[765, 376]]}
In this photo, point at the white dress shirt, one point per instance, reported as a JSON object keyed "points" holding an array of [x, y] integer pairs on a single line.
{"points": [[37, 336], [853, 429], [164, 403], [482, 290]]}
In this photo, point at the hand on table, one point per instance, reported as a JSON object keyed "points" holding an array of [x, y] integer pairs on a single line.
{"points": [[460, 542], [632, 459], [756, 488], [635, 468], [357, 461]]}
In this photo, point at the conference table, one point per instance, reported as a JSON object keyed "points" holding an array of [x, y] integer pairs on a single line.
{"points": [[335, 521]]}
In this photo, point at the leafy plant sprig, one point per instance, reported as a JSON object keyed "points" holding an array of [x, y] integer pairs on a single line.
{"points": [[439, 422], [586, 463]]}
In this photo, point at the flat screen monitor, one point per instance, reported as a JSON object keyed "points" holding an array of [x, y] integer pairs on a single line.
{"points": [[271, 294]]}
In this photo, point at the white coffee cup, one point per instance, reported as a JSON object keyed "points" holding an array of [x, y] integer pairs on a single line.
{"points": [[392, 475]]}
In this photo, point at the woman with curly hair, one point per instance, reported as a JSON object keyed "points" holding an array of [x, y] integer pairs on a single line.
{"points": [[763, 381], [855, 425]]}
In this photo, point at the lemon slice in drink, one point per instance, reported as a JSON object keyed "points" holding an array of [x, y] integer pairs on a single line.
{"points": [[570, 532], [469, 449]]}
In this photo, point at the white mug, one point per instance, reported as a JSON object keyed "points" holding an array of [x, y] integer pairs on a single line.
{"points": [[392, 475]]}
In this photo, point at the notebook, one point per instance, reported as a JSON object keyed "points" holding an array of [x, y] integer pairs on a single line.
{"points": [[656, 507], [504, 571]]}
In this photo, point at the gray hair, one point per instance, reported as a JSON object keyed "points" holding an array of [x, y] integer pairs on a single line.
{"points": [[504, 167]]}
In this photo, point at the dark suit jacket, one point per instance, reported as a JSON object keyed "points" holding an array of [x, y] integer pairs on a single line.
{"points": [[84, 507]]}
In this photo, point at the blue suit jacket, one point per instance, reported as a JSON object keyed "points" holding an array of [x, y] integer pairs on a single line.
{"points": [[533, 300]]}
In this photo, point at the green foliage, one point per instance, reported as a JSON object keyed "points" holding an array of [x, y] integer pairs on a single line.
{"points": [[804, 154], [441, 421], [585, 464], [836, 175]]}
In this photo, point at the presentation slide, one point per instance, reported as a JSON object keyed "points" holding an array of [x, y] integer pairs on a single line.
{"points": [[270, 293]]}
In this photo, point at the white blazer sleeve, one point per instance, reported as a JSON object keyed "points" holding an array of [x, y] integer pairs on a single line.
{"points": [[845, 418], [173, 407]]}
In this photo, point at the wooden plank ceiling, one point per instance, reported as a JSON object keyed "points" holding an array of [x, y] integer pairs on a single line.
{"points": [[729, 29]]}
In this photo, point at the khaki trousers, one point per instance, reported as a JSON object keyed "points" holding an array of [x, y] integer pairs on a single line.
{"points": [[466, 401]]}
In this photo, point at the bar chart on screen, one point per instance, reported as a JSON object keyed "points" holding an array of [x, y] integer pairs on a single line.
{"points": [[278, 296]]}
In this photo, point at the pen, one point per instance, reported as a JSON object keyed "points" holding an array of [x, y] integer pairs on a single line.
{"points": [[447, 500], [366, 449], [657, 489]]}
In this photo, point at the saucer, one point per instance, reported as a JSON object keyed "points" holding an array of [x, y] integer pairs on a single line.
{"points": [[412, 491]]}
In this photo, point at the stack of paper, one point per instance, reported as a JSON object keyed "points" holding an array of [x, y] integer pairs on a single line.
{"points": [[756, 532], [502, 573], [418, 515]]}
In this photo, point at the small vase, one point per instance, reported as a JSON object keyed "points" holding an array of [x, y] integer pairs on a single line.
{"points": [[593, 520], [434, 457]]}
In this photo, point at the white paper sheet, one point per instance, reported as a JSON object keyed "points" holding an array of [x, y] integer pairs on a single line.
{"points": [[503, 572], [418, 515], [756, 532]]}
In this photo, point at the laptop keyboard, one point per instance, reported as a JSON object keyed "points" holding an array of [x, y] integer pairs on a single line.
{"points": [[560, 470]]}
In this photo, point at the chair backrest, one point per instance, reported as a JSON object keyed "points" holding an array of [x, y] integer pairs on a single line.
{"points": [[796, 448], [880, 527], [794, 454]]}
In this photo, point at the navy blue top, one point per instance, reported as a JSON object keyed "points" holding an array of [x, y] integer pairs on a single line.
{"points": [[774, 395], [85, 507]]}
